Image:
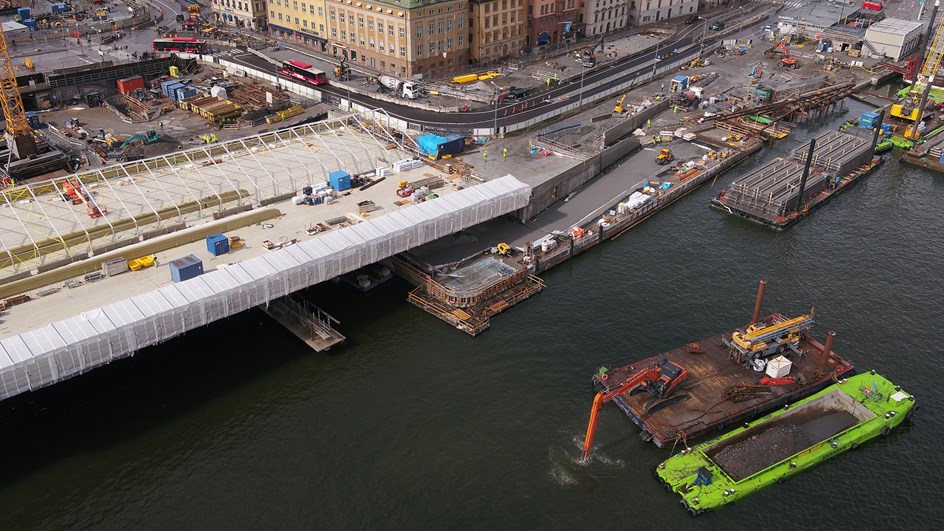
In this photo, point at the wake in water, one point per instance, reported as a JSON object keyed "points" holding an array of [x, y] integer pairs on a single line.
{"points": [[568, 468]]}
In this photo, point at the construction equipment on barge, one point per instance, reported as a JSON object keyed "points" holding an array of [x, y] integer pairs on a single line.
{"points": [[659, 381], [781, 192], [786, 442], [720, 388]]}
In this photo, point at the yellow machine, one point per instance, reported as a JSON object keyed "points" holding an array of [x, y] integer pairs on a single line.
{"points": [[665, 156], [619, 105], [503, 248], [762, 339], [905, 111]]}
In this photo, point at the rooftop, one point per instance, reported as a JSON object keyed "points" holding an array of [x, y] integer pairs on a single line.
{"points": [[896, 26]]}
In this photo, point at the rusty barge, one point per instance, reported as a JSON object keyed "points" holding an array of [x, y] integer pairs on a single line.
{"points": [[722, 380]]}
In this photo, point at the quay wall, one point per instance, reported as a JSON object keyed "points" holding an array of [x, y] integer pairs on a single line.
{"points": [[572, 247]]}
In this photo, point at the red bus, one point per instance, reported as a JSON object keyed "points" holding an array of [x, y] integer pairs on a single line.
{"points": [[180, 44], [873, 6], [304, 72]]}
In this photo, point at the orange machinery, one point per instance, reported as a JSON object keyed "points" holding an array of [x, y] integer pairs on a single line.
{"points": [[659, 381]]}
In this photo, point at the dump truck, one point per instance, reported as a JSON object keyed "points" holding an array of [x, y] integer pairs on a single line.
{"points": [[404, 89]]}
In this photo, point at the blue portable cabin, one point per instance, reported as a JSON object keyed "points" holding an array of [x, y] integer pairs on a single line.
{"points": [[868, 120], [340, 180], [185, 268], [680, 82], [217, 244]]}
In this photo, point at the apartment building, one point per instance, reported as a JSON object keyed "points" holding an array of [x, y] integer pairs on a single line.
{"points": [[250, 14], [602, 16], [642, 12], [303, 22], [551, 21], [497, 29]]}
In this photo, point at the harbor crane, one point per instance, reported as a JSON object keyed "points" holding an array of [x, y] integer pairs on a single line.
{"points": [[19, 135], [659, 381]]}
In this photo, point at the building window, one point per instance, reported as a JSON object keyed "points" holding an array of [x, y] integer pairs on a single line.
{"points": [[343, 35], [440, 26], [380, 27], [403, 51], [432, 48], [460, 41], [449, 25], [331, 14], [360, 22], [304, 23], [272, 15], [370, 25], [419, 49], [304, 10], [402, 31], [448, 44], [461, 20], [334, 33], [432, 29], [321, 12], [419, 31]]}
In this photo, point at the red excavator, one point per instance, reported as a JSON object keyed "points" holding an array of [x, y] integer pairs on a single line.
{"points": [[659, 381], [786, 59]]}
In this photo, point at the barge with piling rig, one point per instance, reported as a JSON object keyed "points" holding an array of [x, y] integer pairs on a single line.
{"points": [[785, 442], [783, 191], [728, 378]]}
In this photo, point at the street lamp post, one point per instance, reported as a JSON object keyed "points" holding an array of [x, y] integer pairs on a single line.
{"points": [[740, 23], [704, 34], [495, 122], [656, 62], [580, 101]]}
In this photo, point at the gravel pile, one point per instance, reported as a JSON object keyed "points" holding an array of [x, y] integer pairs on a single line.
{"points": [[761, 450]]}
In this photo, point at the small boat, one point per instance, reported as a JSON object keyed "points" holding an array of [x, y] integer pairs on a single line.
{"points": [[786, 442]]}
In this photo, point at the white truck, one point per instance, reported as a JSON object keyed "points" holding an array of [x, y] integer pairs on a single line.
{"points": [[404, 89]]}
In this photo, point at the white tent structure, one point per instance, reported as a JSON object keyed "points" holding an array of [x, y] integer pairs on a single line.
{"points": [[72, 346]]}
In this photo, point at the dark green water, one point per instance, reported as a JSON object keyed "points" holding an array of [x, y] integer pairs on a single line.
{"points": [[414, 425]]}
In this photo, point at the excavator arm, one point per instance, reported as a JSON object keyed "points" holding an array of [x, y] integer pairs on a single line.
{"points": [[666, 378], [603, 397]]}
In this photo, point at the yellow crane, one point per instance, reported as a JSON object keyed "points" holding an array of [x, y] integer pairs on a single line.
{"points": [[619, 105], [19, 135], [935, 53], [763, 339]]}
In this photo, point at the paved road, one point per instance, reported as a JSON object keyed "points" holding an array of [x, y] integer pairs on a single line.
{"points": [[594, 81]]}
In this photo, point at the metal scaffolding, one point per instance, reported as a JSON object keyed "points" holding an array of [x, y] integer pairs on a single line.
{"points": [[46, 225]]}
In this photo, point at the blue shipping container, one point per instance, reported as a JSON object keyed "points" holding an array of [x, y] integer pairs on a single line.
{"points": [[185, 268], [59, 8], [217, 244], [184, 93], [24, 13], [340, 180], [30, 23], [170, 89]]}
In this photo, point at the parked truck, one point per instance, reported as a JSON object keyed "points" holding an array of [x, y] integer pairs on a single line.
{"points": [[404, 89]]}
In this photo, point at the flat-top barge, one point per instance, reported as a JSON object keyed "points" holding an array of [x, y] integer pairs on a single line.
{"points": [[785, 442], [727, 378], [783, 191]]}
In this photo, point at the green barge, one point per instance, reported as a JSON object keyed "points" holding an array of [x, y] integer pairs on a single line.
{"points": [[783, 443]]}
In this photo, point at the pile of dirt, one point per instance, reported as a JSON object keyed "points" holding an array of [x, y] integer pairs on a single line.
{"points": [[761, 450]]}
